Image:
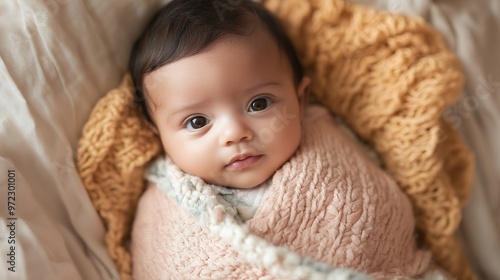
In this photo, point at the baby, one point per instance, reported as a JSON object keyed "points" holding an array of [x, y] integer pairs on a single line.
{"points": [[226, 96], [222, 86], [224, 90]]}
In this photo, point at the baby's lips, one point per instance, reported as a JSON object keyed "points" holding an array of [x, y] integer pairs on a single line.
{"points": [[244, 162]]}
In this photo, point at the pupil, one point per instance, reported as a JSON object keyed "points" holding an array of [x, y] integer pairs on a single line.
{"points": [[198, 122], [259, 104]]}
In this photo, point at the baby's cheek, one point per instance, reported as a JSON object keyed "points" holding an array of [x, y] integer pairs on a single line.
{"points": [[290, 140], [198, 159], [285, 145], [292, 130], [179, 153]]}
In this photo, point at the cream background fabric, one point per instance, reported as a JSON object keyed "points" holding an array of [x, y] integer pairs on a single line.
{"points": [[57, 58]]}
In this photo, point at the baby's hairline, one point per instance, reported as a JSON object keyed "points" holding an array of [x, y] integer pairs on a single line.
{"points": [[222, 40], [166, 39]]}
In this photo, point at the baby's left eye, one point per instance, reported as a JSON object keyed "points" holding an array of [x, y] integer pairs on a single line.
{"points": [[260, 104]]}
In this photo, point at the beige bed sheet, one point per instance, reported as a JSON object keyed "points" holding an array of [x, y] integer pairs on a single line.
{"points": [[58, 57]]}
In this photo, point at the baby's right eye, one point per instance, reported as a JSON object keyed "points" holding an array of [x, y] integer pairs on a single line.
{"points": [[196, 122]]}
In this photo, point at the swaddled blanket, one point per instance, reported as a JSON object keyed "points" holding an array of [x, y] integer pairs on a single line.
{"points": [[388, 76], [328, 203]]}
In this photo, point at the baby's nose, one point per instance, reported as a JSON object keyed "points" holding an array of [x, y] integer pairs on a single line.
{"points": [[235, 130]]}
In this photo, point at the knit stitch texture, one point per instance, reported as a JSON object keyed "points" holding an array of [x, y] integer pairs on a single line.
{"points": [[390, 77], [327, 204]]}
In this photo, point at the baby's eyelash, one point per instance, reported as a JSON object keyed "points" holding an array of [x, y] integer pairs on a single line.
{"points": [[252, 103], [190, 125]]}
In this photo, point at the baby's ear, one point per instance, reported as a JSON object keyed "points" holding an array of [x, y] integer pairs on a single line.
{"points": [[303, 94]]}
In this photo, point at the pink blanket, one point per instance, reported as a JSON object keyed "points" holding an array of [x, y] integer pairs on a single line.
{"points": [[328, 208]]}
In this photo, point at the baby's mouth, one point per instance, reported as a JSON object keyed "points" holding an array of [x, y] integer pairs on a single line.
{"points": [[243, 162]]}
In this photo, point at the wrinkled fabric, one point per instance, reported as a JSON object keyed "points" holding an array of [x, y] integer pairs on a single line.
{"points": [[57, 58]]}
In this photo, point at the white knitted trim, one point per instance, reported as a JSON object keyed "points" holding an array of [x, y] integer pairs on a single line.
{"points": [[202, 201]]}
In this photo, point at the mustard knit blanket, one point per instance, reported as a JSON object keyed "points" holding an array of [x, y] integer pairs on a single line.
{"points": [[390, 77]]}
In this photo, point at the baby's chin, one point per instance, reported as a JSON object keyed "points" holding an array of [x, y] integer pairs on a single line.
{"points": [[240, 183]]}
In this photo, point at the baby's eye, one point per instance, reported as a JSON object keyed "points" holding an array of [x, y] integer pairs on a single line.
{"points": [[260, 104], [196, 122]]}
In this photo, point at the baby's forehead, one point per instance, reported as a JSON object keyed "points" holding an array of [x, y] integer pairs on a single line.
{"points": [[232, 64], [230, 52]]}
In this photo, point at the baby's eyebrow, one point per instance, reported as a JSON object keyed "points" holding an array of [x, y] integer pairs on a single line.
{"points": [[261, 85], [205, 102], [189, 107]]}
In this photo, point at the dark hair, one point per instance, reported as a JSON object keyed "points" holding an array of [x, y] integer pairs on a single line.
{"points": [[186, 27]]}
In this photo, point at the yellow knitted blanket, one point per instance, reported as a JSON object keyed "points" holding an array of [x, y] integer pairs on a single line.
{"points": [[390, 77]]}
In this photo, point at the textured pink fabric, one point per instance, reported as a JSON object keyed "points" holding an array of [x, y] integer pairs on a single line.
{"points": [[339, 208], [328, 202], [167, 243]]}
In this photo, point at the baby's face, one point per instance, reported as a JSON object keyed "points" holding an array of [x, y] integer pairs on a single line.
{"points": [[231, 114]]}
